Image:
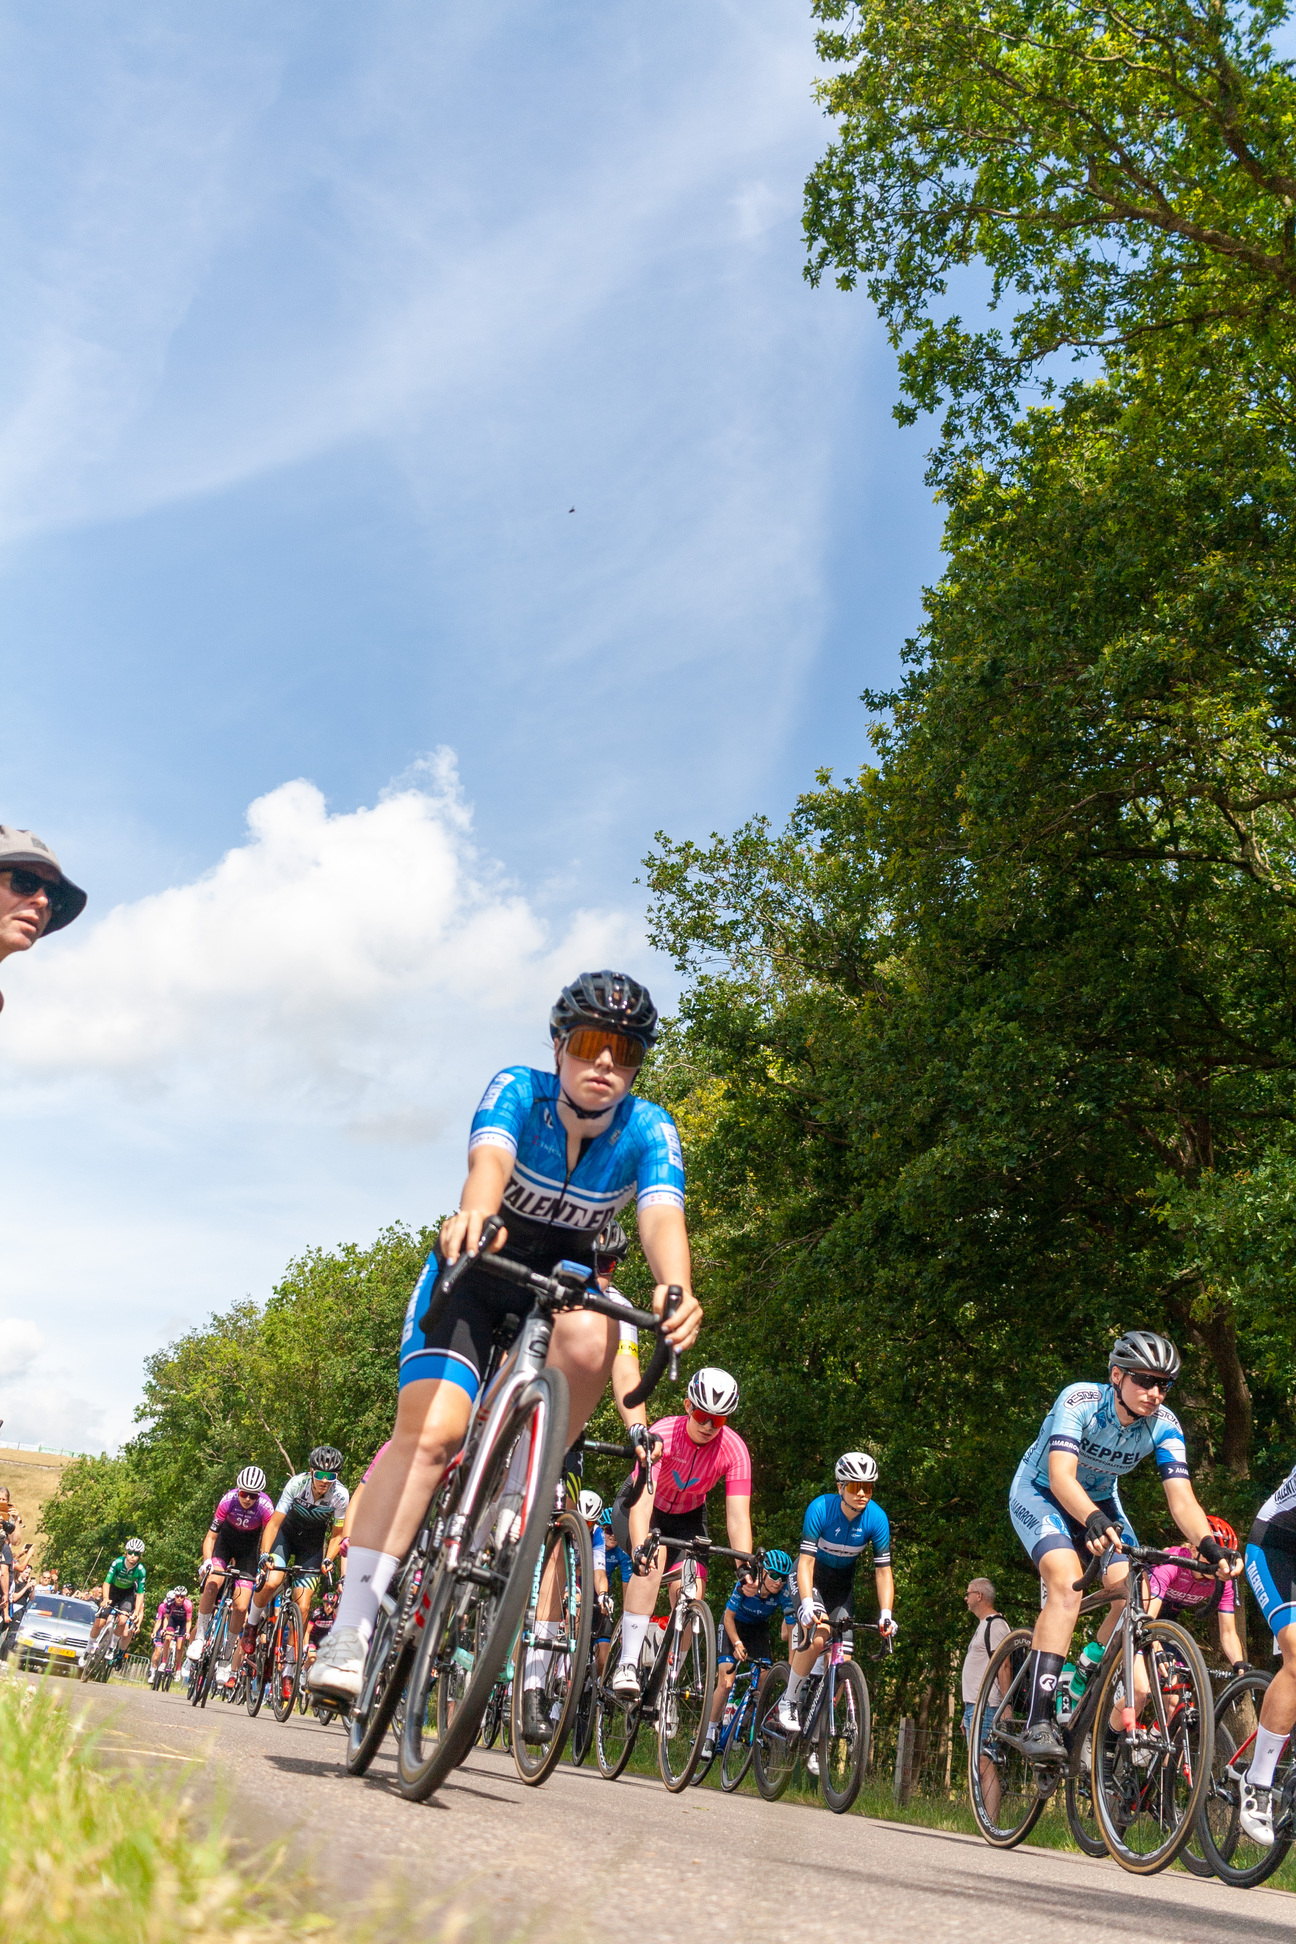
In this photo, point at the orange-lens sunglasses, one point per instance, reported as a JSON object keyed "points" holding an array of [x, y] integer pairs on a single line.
{"points": [[587, 1042], [708, 1417]]}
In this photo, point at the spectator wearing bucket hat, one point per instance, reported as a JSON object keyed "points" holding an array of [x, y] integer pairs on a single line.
{"points": [[35, 895]]}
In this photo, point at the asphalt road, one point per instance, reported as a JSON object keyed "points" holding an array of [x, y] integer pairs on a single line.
{"points": [[580, 1856]]}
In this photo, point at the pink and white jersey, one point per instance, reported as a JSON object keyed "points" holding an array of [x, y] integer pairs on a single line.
{"points": [[242, 1518], [374, 1460], [1188, 1589], [686, 1472]]}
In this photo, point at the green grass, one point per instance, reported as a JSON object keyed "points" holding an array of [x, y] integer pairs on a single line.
{"points": [[93, 1856]]}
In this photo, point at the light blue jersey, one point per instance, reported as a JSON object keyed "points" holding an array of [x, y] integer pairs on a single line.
{"points": [[837, 1542], [638, 1154], [1083, 1421]]}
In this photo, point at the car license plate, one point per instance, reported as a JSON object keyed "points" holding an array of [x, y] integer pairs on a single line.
{"points": [[64, 1653]]}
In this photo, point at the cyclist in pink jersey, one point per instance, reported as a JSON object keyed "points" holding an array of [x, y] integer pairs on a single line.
{"points": [[1181, 1594], [698, 1450]]}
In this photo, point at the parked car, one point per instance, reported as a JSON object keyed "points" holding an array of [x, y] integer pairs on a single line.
{"points": [[55, 1633]]}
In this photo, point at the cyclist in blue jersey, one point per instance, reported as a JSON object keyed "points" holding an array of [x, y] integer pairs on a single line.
{"points": [[556, 1154], [745, 1628], [1065, 1494], [838, 1527]]}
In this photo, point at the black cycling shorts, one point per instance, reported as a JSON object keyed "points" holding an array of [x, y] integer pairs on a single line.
{"points": [[301, 1545], [121, 1596], [238, 1550], [755, 1637]]}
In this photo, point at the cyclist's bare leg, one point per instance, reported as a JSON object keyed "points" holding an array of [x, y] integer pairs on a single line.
{"points": [[803, 1662], [724, 1682], [432, 1418], [1278, 1710], [1059, 1570]]}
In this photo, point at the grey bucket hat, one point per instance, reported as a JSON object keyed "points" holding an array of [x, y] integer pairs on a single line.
{"points": [[19, 847]]}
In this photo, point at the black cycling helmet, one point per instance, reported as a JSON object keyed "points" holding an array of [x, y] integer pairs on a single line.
{"points": [[1145, 1350], [612, 1000], [325, 1458], [613, 1241]]}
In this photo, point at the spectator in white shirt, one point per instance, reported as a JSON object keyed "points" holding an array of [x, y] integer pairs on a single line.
{"points": [[988, 1634]]}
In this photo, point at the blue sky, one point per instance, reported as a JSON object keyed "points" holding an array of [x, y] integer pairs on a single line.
{"points": [[318, 323]]}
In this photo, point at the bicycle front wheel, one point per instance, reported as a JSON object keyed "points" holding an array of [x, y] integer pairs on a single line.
{"points": [[1152, 1773], [739, 1746], [1234, 1857], [684, 1706], [616, 1723], [1004, 1793], [844, 1737], [582, 1735], [776, 1750], [566, 1573], [477, 1605], [1082, 1817], [387, 1664], [285, 1660], [257, 1667]]}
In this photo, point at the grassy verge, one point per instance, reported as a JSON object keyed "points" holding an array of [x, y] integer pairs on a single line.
{"points": [[89, 1856]]}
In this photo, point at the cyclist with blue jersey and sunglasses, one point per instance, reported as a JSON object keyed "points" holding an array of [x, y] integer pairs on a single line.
{"points": [[745, 1628], [1066, 1495], [556, 1155], [838, 1528]]}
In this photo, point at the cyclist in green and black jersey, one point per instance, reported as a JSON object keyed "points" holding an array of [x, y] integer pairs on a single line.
{"points": [[123, 1594]]}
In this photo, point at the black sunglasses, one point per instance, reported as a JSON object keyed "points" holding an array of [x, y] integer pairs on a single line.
{"points": [[1150, 1380], [27, 883]]}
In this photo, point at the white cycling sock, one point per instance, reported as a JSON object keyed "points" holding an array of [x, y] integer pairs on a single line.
{"points": [[634, 1629], [256, 1614], [201, 1626], [369, 1574], [537, 1659], [1264, 1757], [795, 1684]]}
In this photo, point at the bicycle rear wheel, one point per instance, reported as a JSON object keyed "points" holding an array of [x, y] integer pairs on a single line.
{"points": [[844, 1737], [1082, 1817], [616, 1723], [582, 1735], [1002, 1787], [739, 1746], [478, 1603], [684, 1705], [258, 1668], [1234, 1857], [775, 1751], [569, 1555], [1151, 1778], [285, 1659]]}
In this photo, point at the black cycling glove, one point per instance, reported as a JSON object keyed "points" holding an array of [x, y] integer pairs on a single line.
{"points": [[1211, 1550], [1097, 1523]]}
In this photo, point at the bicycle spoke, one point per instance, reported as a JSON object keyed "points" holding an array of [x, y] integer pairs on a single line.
{"points": [[1151, 1778]]}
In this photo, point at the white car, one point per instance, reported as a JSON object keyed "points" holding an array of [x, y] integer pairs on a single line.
{"points": [[54, 1633]]}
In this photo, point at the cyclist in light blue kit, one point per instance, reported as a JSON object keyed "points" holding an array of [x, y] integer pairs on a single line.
{"points": [[744, 1632], [1065, 1495], [556, 1155], [838, 1527]]}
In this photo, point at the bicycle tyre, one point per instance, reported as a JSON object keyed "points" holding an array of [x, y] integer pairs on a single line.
{"points": [[488, 1733], [1117, 1781], [739, 1742], [1015, 1776], [570, 1532], [684, 1704], [616, 1725], [851, 1728], [774, 1755], [540, 1414], [386, 1669], [286, 1659], [256, 1666], [582, 1734], [1082, 1817], [1219, 1838]]}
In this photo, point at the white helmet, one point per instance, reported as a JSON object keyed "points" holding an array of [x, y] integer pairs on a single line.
{"points": [[250, 1479], [589, 1505], [713, 1390], [857, 1467]]}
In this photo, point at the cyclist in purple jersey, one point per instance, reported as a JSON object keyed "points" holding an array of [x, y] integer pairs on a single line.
{"points": [[557, 1155], [231, 1547]]}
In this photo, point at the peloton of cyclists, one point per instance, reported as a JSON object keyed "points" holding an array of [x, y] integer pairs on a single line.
{"points": [[1065, 1496], [556, 1155], [174, 1620], [838, 1528]]}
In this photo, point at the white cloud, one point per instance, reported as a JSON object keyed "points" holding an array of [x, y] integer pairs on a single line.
{"points": [[20, 1345], [343, 964]]}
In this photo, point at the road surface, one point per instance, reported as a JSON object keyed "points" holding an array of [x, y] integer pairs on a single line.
{"points": [[580, 1856]]}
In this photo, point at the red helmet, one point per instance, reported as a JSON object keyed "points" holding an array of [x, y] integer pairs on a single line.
{"points": [[1224, 1532]]}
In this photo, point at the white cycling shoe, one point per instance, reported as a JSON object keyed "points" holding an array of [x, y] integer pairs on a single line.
{"points": [[1256, 1815], [194, 1650], [625, 1682], [338, 1668], [788, 1719]]}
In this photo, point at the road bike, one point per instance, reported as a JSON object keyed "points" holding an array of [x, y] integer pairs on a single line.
{"points": [[736, 1735], [835, 1720], [107, 1653], [1138, 1787], [678, 1681], [274, 1664], [166, 1667], [459, 1597], [1233, 1855], [217, 1647]]}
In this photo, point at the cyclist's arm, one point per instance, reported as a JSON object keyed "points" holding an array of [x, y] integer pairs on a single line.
{"points": [[884, 1581], [1230, 1640], [490, 1169], [731, 1628], [1192, 1521], [334, 1545], [1070, 1494], [209, 1543], [665, 1243], [805, 1575], [738, 1520]]}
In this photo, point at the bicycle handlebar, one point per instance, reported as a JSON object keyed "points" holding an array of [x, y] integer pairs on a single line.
{"points": [[1139, 1556], [562, 1294]]}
